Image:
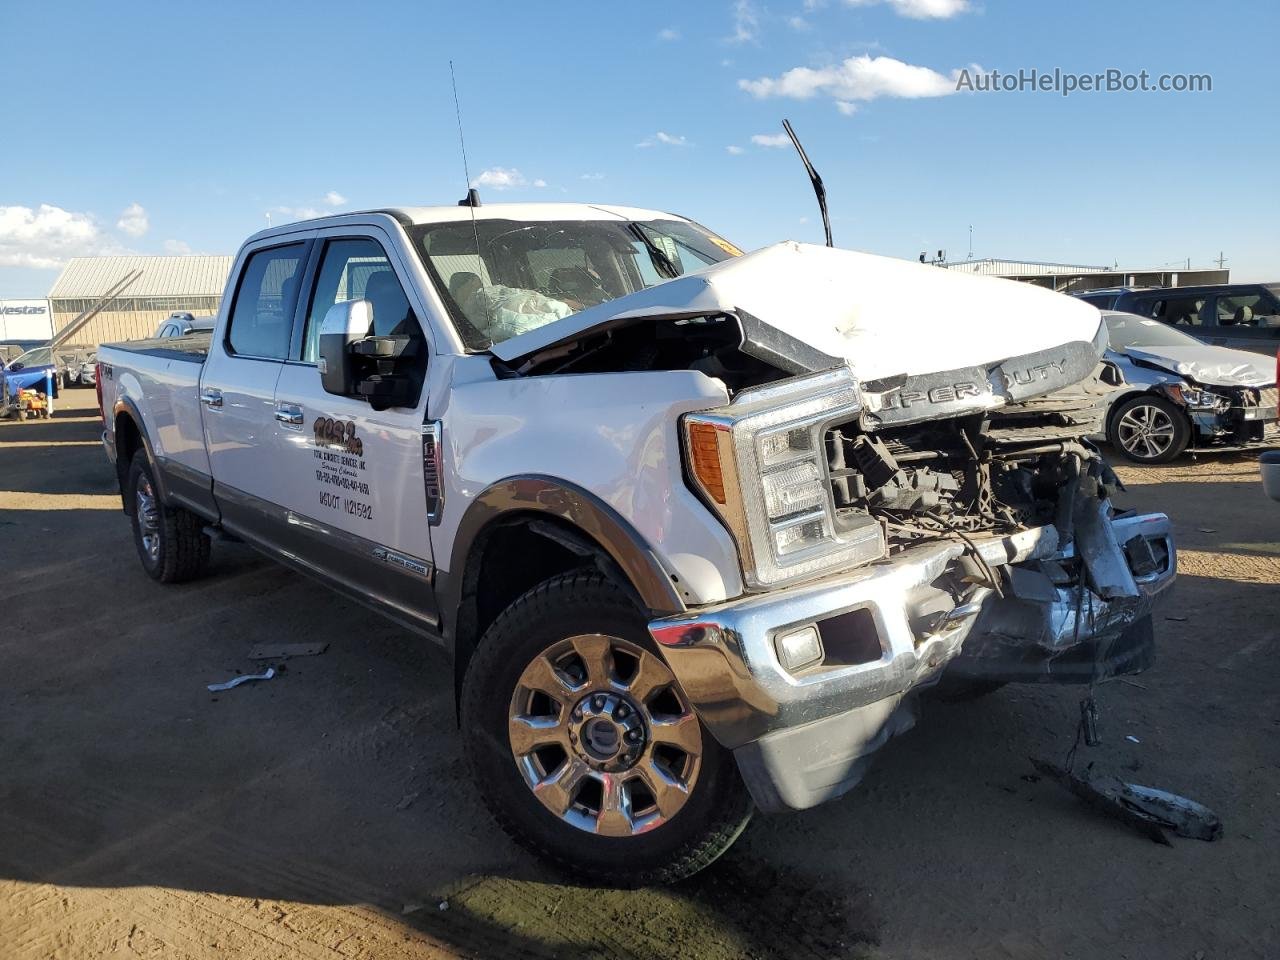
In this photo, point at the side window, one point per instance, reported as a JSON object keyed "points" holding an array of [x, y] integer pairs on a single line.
{"points": [[262, 316], [358, 269], [1256, 309], [1173, 310]]}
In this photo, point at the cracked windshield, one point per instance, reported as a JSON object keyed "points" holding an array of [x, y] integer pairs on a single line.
{"points": [[502, 278]]}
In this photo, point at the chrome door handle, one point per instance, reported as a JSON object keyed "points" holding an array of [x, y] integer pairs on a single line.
{"points": [[289, 413], [211, 398]]}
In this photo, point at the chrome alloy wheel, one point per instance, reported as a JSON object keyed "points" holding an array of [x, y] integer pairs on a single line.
{"points": [[1145, 431], [603, 736], [148, 518]]}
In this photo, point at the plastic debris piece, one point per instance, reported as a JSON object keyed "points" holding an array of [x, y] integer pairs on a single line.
{"points": [[1132, 739], [443, 905], [412, 908], [243, 678], [1148, 810]]}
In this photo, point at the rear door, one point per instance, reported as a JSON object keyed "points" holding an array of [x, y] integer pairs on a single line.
{"points": [[237, 390], [352, 476]]}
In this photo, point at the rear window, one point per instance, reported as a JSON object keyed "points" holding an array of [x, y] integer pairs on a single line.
{"points": [[262, 316]]}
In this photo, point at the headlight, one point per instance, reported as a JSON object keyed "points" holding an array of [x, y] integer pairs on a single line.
{"points": [[761, 464], [1198, 399]]}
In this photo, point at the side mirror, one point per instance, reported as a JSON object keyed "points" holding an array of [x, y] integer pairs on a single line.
{"points": [[343, 325], [15, 367]]}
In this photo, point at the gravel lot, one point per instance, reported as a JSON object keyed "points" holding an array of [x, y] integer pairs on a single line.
{"points": [[327, 813]]}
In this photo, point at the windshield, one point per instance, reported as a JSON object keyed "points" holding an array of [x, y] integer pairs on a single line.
{"points": [[501, 278], [1130, 330], [39, 357]]}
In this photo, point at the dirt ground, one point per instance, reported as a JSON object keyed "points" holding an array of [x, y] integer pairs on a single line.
{"points": [[327, 813]]}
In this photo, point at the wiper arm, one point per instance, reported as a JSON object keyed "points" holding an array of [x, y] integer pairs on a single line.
{"points": [[661, 262]]}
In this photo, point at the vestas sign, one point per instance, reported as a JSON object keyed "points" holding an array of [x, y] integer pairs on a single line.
{"points": [[25, 320]]}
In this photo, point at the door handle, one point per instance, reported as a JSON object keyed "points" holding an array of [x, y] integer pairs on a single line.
{"points": [[211, 398], [289, 413]]}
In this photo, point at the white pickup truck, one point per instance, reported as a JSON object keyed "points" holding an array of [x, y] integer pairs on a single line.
{"points": [[694, 527]]}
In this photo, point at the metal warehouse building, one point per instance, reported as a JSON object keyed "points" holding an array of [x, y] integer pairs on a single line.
{"points": [[127, 297], [1075, 278]]}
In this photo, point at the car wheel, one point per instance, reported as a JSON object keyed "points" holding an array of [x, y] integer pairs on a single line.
{"points": [[583, 746], [170, 541], [1149, 429]]}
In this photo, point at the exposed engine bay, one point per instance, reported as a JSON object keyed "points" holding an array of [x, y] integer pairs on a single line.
{"points": [[987, 473]]}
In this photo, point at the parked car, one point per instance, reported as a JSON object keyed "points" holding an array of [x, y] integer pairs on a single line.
{"points": [[1175, 393], [71, 363], [1243, 316], [27, 371], [696, 528], [89, 370], [182, 325]]}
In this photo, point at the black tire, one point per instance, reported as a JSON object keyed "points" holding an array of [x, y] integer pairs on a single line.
{"points": [[718, 805], [181, 547], [962, 689], [1137, 451]]}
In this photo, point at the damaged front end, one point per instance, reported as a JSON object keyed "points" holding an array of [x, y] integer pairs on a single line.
{"points": [[893, 531]]}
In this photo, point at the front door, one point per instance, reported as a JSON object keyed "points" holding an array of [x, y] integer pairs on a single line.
{"points": [[354, 484], [237, 390]]}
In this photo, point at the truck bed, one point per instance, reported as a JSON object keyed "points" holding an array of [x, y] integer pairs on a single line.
{"points": [[193, 348], [160, 379]]}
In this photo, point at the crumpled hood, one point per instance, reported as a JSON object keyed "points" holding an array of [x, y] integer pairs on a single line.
{"points": [[885, 317], [1207, 364]]}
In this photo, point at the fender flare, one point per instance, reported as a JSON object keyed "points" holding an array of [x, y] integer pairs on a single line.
{"points": [[584, 511], [126, 405]]}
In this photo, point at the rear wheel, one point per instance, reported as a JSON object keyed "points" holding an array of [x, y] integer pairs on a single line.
{"points": [[170, 541], [1149, 429], [585, 749]]}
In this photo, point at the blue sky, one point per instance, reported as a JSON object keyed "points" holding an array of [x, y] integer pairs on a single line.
{"points": [[174, 127]]}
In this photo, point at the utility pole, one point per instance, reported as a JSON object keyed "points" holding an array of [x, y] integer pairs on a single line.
{"points": [[1221, 261], [971, 241]]}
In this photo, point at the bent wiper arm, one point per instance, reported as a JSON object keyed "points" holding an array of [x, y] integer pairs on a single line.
{"points": [[661, 262]]}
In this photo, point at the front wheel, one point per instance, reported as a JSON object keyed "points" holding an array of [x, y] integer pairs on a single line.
{"points": [[585, 749], [1149, 429]]}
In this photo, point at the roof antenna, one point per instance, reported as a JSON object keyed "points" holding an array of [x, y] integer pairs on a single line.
{"points": [[816, 180], [472, 198]]}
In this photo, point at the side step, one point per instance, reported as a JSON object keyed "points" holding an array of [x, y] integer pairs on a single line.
{"points": [[219, 535]]}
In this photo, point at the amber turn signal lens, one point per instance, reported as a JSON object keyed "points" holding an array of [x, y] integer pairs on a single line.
{"points": [[704, 452]]}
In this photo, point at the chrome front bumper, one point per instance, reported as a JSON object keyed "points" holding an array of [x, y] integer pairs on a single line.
{"points": [[804, 738]]}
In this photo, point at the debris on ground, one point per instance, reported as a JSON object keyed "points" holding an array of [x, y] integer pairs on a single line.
{"points": [[1148, 810], [407, 801], [243, 678], [412, 908], [1132, 739], [279, 651]]}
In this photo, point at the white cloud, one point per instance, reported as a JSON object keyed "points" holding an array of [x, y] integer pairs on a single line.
{"points": [[920, 9], [771, 140], [592, 176], [746, 22], [133, 220], [855, 79], [289, 214], [47, 236], [734, 149], [505, 178], [799, 24], [334, 199], [177, 248], [668, 139], [669, 34]]}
